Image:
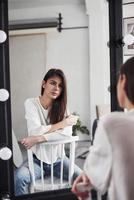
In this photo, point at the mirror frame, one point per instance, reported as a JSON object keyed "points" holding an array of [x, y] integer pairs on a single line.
{"points": [[116, 58]]}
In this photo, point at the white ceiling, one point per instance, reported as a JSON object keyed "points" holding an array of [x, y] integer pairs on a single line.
{"points": [[17, 4]]}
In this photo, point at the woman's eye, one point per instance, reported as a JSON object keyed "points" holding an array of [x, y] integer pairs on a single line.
{"points": [[52, 83], [55, 84]]}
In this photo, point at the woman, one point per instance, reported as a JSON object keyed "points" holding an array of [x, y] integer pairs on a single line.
{"points": [[98, 166], [47, 119]]}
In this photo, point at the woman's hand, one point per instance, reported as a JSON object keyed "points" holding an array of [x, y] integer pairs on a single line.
{"points": [[70, 120], [30, 141], [81, 187]]}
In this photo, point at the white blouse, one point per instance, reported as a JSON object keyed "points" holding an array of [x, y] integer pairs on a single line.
{"points": [[38, 124], [99, 163]]}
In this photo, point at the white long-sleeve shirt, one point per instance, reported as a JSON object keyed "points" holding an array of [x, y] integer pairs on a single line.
{"points": [[104, 165], [99, 161], [38, 124]]}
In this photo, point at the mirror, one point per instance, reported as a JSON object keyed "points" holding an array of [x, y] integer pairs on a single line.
{"points": [[80, 50], [128, 24]]}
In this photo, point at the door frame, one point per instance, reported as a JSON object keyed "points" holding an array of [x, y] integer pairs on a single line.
{"points": [[6, 167]]}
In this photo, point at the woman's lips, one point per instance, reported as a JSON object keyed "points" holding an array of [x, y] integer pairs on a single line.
{"points": [[54, 93]]}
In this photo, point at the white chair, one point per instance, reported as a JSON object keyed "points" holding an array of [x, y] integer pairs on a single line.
{"points": [[102, 109], [53, 183]]}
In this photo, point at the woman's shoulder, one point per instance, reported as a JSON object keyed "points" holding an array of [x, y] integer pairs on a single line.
{"points": [[113, 118], [31, 101]]}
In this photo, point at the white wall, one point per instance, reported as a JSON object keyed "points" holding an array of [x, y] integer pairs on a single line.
{"points": [[69, 51], [99, 65], [27, 68]]}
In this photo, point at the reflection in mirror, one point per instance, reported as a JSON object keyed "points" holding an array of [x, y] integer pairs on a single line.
{"points": [[128, 28], [80, 51]]}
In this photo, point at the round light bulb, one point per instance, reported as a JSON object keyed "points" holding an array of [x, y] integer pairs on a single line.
{"points": [[5, 153], [4, 95], [3, 36], [128, 39]]}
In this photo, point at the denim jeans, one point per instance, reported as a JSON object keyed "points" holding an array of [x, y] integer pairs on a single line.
{"points": [[22, 177]]}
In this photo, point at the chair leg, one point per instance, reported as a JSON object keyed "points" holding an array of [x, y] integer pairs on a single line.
{"points": [[31, 188]]}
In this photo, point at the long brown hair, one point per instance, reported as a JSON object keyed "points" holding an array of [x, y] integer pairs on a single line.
{"points": [[128, 69], [58, 108]]}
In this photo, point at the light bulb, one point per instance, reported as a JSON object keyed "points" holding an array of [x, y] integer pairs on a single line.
{"points": [[4, 94], [5, 153], [3, 36], [128, 39]]}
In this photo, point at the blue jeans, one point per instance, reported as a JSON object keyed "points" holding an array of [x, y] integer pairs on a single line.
{"points": [[22, 177]]}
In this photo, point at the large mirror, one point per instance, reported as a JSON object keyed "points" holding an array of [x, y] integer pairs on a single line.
{"points": [[80, 49], [128, 25]]}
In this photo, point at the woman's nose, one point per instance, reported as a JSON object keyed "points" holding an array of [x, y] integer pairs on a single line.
{"points": [[56, 87]]}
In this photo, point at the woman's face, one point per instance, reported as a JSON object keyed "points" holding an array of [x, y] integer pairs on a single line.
{"points": [[120, 91], [53, 87]]}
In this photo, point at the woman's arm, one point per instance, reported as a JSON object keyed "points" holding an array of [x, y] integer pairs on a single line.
{"points": [[40, 133], [61, 134], [36, 126], [97, 167], [68, 121], [99, 160], [30, 141]]}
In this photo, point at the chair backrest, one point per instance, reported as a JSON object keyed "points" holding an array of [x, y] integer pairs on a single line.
{"points": [[53, 183], [102, 109], [121, 137], [17, 154]]}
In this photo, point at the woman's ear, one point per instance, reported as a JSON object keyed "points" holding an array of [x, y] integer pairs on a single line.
{"points": [[123, 80], [43, 84]]}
